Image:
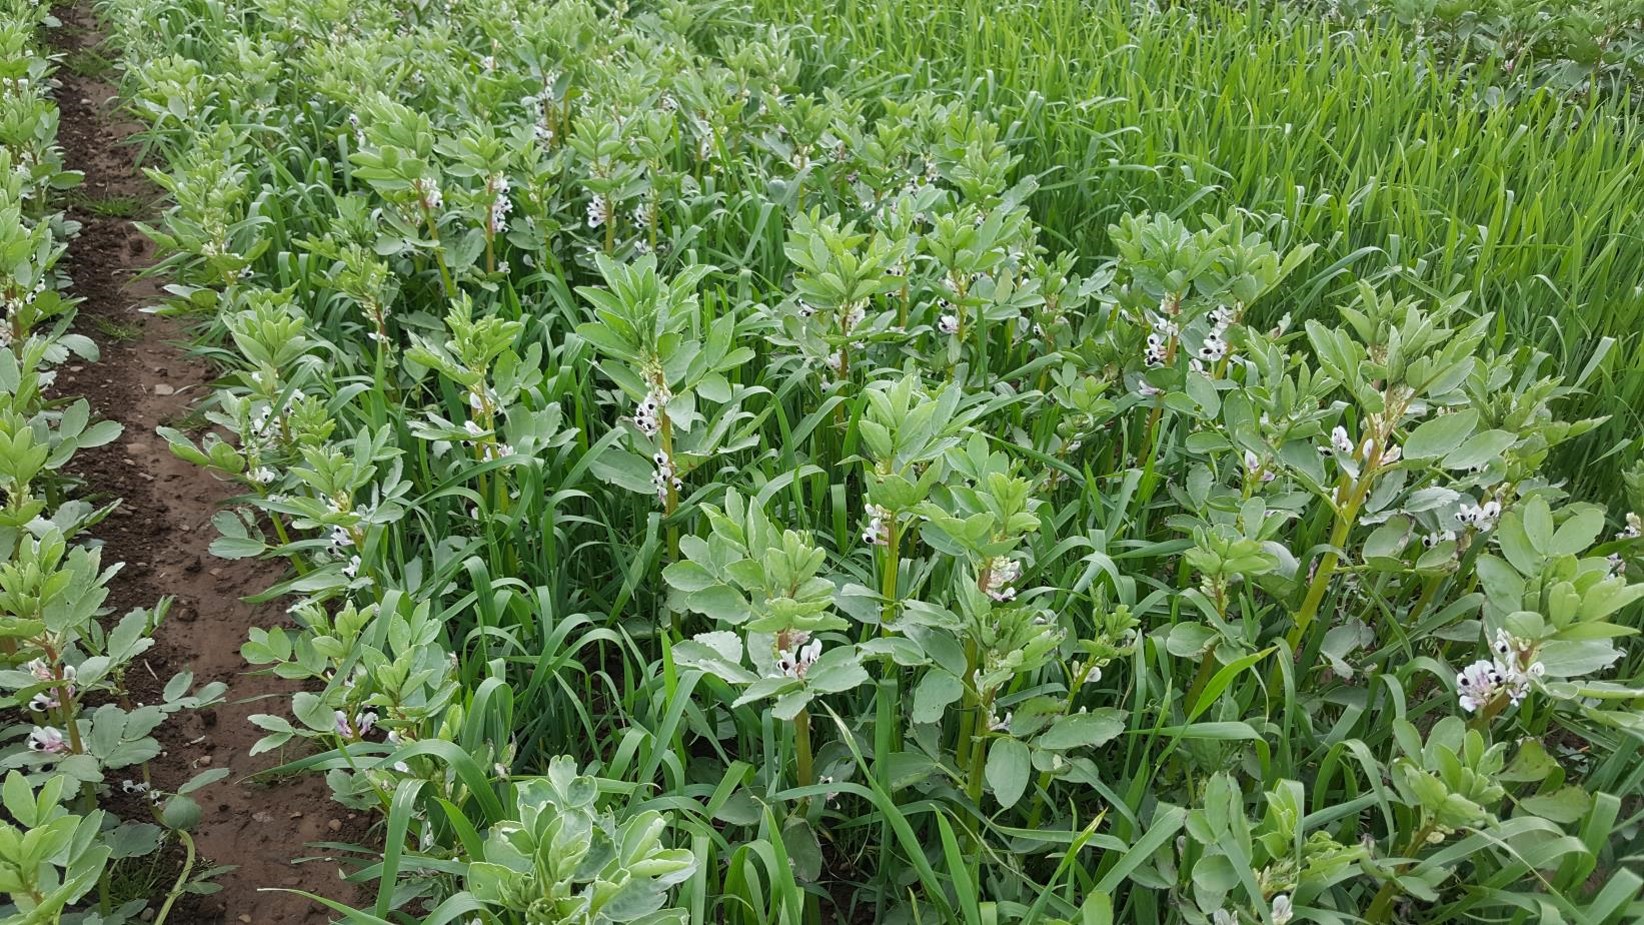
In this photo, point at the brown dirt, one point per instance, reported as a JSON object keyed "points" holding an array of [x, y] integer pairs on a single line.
{"points": [[162, 531]]}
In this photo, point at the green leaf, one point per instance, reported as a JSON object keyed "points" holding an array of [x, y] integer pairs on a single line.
{"points": [[1080, 730], [720, 602], [1441, 435], [1577, 532], [936, 690], [1008, 769], [1482, 448], [237, 547], [1564, 805], [132, 839], [181, 812], [803, 849], [312, 712], [718, 654]]}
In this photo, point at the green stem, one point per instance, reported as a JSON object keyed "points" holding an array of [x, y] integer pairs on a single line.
{"points": [[1327, 564], [967, 719], [285, 540], [1382, 905], [671, 504], [888, 580], [182, 877], [439, 255], [978, 757], [802, 748]]}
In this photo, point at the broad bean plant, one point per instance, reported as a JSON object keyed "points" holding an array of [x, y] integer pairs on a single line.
{"points": [[707, 500], [75, 739]]}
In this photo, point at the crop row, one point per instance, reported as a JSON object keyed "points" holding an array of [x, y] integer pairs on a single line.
{"points": [[76, 739]]}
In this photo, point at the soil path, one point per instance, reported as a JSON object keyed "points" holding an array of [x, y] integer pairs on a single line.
{"points": [[162, 531]]}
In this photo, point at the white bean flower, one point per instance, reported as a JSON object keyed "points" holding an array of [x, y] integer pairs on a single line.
{"points": [[48, 740], [795, 663]]}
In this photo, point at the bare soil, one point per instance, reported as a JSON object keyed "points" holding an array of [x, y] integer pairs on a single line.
{"points": [[162, 531]]}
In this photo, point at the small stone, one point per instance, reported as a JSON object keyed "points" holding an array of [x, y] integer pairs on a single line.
{"points": [[148, 914], [334, 825], [160, 388], [205, 759], [261, 816], [245, 918], [216, 572]]}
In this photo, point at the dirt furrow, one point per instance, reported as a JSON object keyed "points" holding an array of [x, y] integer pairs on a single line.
{"points": [[162, 529]]}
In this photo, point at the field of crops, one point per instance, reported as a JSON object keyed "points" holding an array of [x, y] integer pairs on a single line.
{"points": [[793, 462]]}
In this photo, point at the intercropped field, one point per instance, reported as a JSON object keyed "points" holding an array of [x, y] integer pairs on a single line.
{"points": [[1054, 462]]}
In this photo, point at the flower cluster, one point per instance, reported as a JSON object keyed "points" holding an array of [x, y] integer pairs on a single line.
{"points": [[355, 728], [1431, 540], [48, 740], [648, 416], [1339, 441], [877, 532], [485, 442], [496, 214], [797, 661], [50, 698], [141, 788], [1634, 528], [1479, 517], [600, 211], [1214, 347], [666, 478], [1510, 672], [852, 317], [1383, 456], [998, 576], [1256, 468], [429, 197], [1157, 349]]}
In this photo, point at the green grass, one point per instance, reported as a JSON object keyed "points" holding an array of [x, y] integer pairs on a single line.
{"points": [[89, 62], [115, 330], [1422, 180], [111, 205]]}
